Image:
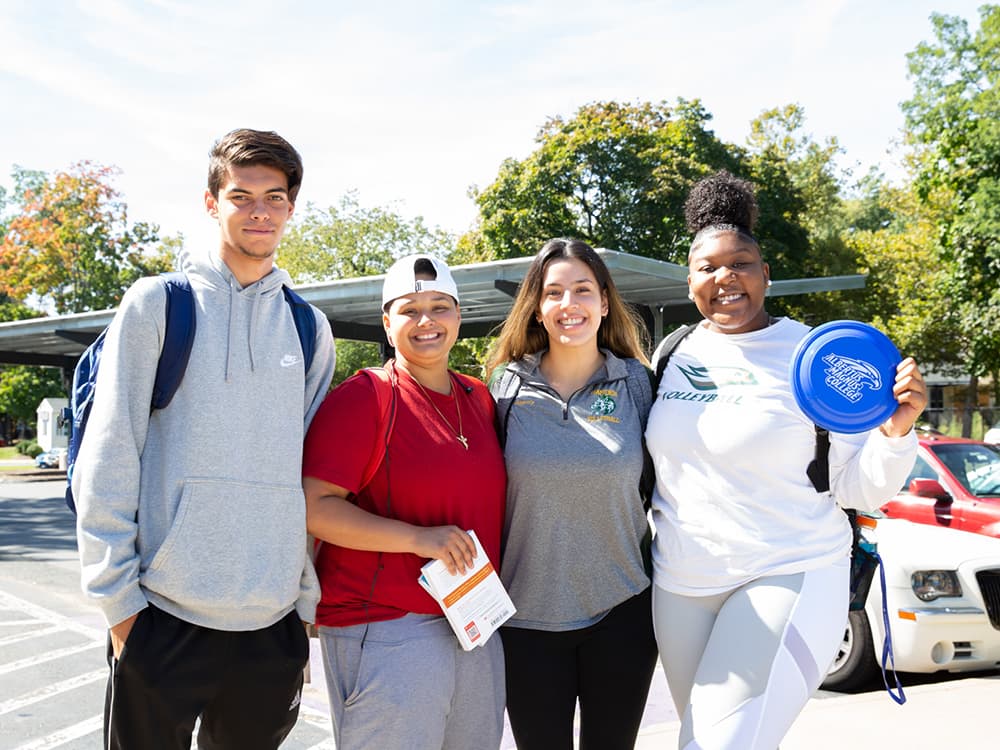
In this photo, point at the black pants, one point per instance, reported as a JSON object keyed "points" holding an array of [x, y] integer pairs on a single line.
{"points": [[245, 686], [607, 666]]}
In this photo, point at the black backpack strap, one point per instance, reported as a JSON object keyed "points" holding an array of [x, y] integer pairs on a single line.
{"points": [[305, 324], [665, 350], [818, 470], [640, 388], [504, 385]]}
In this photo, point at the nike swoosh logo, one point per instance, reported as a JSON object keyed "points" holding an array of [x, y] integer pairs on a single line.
{"points": [[289, 360]]}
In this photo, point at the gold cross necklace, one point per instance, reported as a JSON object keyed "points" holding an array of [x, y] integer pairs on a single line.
{"points": [[459, 432]]}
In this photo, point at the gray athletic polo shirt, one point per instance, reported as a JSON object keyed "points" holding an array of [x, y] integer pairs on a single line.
{"points": [[574, 514]]}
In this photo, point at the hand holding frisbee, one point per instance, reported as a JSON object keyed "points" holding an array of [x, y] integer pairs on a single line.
{"points": [[843, 374]]}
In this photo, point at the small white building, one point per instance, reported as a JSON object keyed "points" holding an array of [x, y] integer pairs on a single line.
{"points": [[53, 430]]}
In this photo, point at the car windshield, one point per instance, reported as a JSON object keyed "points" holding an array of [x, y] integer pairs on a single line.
{"points": [[975, 466]]}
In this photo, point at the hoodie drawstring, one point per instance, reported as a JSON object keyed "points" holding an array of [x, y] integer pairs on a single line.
{"points": [[209, 271], [253, 322], [229, 330]]}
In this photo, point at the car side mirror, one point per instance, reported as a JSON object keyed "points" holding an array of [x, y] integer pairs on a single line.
{"points": [[929, 488]]}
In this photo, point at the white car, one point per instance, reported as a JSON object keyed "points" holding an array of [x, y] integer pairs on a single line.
{"points": [[943, 596], [50, 458]]}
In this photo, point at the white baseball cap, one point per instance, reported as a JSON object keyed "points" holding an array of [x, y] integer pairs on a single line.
{"points": [[402, 279]]}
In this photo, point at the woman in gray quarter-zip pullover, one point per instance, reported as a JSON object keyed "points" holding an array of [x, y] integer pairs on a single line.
{"points": [[573, 392]]}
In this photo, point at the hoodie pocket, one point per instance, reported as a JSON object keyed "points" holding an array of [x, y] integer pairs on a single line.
{"points": [[232, 545]]}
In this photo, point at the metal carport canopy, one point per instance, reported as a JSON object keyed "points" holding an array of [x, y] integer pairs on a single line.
{"points": [[353, 306]]}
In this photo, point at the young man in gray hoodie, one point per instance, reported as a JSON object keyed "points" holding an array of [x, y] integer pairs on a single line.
{"points": [[191, 521]]}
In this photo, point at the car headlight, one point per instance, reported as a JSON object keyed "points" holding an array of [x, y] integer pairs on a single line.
{"points": [[928, 585]]}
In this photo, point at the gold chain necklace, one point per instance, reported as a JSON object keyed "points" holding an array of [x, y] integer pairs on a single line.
{"points": [[458, 433]]}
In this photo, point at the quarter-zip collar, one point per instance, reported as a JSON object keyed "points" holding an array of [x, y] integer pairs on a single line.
{"points": [[529, 370]]}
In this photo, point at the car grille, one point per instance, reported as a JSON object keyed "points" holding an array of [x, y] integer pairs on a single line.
{"points": [[989, 585]]}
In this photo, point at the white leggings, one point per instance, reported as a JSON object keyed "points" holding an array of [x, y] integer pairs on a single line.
{"points": [[742, 665]]}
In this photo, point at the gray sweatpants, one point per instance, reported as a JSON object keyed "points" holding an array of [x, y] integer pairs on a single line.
{"points": [[407, 684]]}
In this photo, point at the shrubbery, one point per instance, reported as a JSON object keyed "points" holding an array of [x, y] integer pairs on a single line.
{"points": [[29, 448]]}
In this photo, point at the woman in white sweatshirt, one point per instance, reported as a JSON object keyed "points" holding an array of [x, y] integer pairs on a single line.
{"points": [[751, 562]]}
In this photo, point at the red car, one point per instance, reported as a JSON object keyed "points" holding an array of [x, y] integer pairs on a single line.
{"points": [[954, 483]]}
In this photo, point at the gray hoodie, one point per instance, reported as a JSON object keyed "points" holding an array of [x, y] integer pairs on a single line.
{"points": [[198, 508]]}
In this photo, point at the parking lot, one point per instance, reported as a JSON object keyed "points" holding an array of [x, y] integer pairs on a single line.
{"points": [[53, 670], [52, 642]]}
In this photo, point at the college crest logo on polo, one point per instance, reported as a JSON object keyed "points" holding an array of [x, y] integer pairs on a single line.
{"points": [[603, 405]]}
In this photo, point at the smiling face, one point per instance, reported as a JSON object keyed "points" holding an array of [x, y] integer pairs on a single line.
{"points": [[572, 304], [423, 326], [728, 279], [251, 208]]}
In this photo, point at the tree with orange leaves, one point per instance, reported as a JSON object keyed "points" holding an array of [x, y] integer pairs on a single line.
{"points": [[71, 244]]}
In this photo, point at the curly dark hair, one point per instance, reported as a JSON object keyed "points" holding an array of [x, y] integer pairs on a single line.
{"points": [[720, 202]]}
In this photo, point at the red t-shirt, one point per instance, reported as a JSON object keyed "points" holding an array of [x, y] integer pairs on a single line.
{"points": [[434, 481]]}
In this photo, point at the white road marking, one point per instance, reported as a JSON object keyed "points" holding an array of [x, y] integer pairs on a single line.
{"points": [[16, 604], [70, 733], [50, 691], [47, 656], [17, 637]]}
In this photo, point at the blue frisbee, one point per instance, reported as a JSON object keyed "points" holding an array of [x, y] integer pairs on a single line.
{"points": [[842, 375]]}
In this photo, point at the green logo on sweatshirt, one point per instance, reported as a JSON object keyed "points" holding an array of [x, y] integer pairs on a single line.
{"points": [[603, 406], [713, 378]]}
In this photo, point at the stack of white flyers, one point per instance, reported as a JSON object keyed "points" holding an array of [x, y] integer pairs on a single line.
{"points": [[475, 602]]}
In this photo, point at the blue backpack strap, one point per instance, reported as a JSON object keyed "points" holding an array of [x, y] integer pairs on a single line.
{"points": [[305, 324], [178, 338], [81, 399]]}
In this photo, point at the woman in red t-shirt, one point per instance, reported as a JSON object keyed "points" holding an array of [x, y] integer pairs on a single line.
{"points": [[396, 674]]}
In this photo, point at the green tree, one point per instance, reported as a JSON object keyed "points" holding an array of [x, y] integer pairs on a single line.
{"points": [[870, 207], [804, 219], [953, 128], [349, 240], [22, 388], [11, 310], [615, 175], [70, 241], [906, 291]]}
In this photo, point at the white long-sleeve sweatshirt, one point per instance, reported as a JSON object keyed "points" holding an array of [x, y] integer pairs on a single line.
{"points": [[732, 499]]}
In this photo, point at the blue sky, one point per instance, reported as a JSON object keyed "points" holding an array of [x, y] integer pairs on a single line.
{"points": [[410, 103]]}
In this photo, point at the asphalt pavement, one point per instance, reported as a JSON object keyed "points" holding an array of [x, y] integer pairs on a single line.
{"points": [[53, 669]]}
